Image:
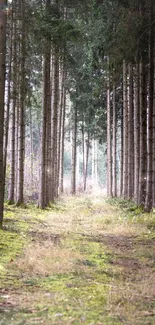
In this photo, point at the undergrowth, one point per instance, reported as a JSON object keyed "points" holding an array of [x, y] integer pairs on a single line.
{"points": [[84, 260]]}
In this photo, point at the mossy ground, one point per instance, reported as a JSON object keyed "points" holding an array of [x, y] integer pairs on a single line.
{"points": [[83, 261]]}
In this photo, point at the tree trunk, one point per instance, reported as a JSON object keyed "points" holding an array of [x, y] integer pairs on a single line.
{"points": [[149, 178], [60, 121], [143, 135], [125, 132], [114, 192], [11, 197], [21, 156], [83, 150], [43, 196], [136, 132], [8, 94], [48, 129], [130, 136], [121, 153], [153, 143], [87, 158], [55, 127], [109, 149], [74, 152], [62, 144], [2, 94]]}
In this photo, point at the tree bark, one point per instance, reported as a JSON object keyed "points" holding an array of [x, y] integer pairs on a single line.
{"points": [[7, 119], [109, 148], [130, 135], [21, 156], [114, 168], [149, 178], [121, 152], [136, 132], [2, 94], [87, 159], [62, 144], [143, 135], [43, 195], [125, 132], [74, 152], [55, 127], [11, 197]]}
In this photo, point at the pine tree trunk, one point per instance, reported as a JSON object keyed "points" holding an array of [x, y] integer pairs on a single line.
{"points": [[149, 178], [62, 144], [121, 153], [125, 132], [2, 94], [143, 135], [21, 156], [74, 152], [83, 150], [42, 198], [87, 159], [114, 142], [93, 161], [9, 76], [60, 121], [109, 148], [55, 128], [16, 140], [48, 129], [44, 190], [11, 197], [130, 136], [136, 133], [153, 170]]}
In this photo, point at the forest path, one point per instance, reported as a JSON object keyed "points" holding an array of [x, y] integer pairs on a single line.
{"points": [[85, 261]]}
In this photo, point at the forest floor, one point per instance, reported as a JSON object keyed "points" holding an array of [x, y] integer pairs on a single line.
{"points": [[84, 261]]}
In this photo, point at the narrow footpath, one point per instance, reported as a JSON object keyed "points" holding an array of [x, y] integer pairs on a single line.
{"points": [[83, 261]]}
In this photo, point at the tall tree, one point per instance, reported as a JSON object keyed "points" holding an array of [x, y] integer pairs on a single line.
{"points": [[3, 19], [21, 148], [149, 178]]}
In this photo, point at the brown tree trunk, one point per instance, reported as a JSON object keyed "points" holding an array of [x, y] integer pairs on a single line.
{"points": [[11, 197], [21, 156], [143, 134], [121, 153], [43, 189], [55, 127], [109, 148], [2, 94], [7, 118], [62, 144], [130, 136], [74, 152], [153, 143], [60, 120], [125, 132], [136, 132], [149, 177], [46, 125], [114, 191], [87, 158], [83, 149], [48, 130]]}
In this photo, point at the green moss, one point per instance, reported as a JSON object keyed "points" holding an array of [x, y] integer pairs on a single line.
{"points": [[10, 246]]}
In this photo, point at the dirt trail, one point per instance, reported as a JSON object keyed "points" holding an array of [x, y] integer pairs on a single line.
{"points": [[83, 262]]}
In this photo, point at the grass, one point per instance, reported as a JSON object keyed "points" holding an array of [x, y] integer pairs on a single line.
{"points": [[86, 260]]}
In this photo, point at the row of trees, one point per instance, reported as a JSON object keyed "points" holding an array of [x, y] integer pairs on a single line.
{"points": [[80, 70], [137, 174]]}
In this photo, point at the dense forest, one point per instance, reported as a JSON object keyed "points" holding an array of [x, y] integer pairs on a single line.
{"points": [[77, 99]]}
